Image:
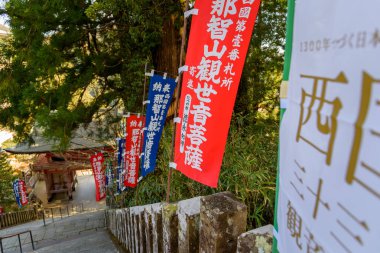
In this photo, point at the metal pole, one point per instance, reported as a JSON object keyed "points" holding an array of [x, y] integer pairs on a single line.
{"points": [[19, 242], [141, 139], [82, 207], [60, 211], [1, 245], [31, 239], [67, 209], [178, 93], [52, 216], [43, 217]]}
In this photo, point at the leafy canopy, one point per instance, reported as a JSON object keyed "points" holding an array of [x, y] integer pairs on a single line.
{"points": [[71, 61]]}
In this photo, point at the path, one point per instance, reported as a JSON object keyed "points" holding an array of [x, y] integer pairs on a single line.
{"points": [[80, 233]]}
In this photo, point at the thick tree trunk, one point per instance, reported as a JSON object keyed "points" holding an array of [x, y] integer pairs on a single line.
{"points": [[166, 58]]}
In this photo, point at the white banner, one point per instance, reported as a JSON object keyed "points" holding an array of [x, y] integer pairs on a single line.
{"points": [[330, 135]]}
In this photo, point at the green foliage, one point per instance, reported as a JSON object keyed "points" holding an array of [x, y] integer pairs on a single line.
{"points": [[69, 61], [72, 59], [262, 74], [248, 171], [7, 199], [249, 164]]}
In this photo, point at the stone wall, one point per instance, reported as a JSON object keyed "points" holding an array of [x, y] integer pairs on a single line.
{"points": [[210, 224]]}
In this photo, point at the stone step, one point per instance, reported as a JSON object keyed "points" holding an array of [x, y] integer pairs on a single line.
{"points": [[98, 241]]}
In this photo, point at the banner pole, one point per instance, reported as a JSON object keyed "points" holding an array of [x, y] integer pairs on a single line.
{"points": [[177, 94], [283, 96], [141, 139]]}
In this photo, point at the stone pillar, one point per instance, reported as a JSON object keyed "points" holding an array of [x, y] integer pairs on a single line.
{"points": [[139, 240], [148, 229], [142, 230], [188, 225], [223, 218], [133, 232], [129, 230], [170, 228], [118, 225], [256, 241], [157, 228], [153, 231], [125, 213]]}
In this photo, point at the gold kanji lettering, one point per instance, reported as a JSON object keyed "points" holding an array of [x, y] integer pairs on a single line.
{"points": [[329, 126]]}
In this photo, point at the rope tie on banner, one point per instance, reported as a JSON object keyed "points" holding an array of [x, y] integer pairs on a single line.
{"points": [[138, 115], [165, 75], [151, 73], [144, 129], [141, 155], [127, 115], [284, 89], [173, 165], [177, 79], [146, 102], [284, 94], [191, 12], [177, 120], [138, 180], [183, 69]]}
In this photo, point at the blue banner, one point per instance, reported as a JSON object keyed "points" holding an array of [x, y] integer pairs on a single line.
{"points": [[16, 191], [160, 95], [109, 173], [120, 165]]}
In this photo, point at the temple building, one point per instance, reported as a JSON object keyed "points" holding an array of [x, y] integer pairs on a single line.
{"points": [[54, 172]]}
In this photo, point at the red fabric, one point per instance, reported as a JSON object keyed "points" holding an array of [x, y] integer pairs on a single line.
{"points": [[97, 161], [134, 126], [22, 190], [218, 43]]}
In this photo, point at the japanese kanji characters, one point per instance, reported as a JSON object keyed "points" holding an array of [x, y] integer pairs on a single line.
{"points": [[160, 94], [97, 161], [328, 125], [135, 124], [215, 59]]}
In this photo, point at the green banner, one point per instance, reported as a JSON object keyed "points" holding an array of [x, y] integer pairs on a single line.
{"points": [[283, 95]]}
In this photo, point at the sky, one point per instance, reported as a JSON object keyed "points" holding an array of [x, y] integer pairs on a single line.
{"points": [[4, 135], [2, 18]]}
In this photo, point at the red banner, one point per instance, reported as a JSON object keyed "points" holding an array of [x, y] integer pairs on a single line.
{"points": [[97, 161], [219, 38], [22, 191], [134, 125]]}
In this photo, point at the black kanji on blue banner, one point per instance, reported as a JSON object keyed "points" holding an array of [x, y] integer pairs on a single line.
{"points": [[120, 165], [160, 95]]}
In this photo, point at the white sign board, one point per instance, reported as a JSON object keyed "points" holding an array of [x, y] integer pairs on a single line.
{"points": [[330, 135]]}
